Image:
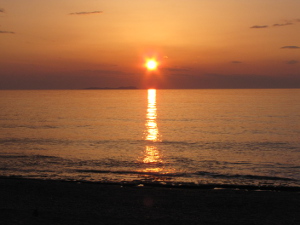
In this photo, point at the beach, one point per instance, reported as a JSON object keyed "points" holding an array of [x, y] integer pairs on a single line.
{"points": [[29, 201]]}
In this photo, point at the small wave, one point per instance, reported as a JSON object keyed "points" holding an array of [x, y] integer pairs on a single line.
{"points": [[294, 167], [24, 141], [167, 142], [239, 176], [29, 126], [28, 156], [13, 156], [178, 142], [27, 171], [132, 172]]}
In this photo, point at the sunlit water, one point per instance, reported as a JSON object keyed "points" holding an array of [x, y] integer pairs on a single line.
{"points": [[240, 137]]}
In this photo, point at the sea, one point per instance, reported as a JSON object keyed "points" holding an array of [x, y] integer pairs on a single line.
{"points": [[176, 137]]}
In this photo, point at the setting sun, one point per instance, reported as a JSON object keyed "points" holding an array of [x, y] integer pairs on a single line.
{"points": [[151, 64]]}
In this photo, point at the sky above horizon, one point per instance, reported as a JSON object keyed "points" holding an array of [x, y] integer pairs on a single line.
{"points": [[70, 44]]}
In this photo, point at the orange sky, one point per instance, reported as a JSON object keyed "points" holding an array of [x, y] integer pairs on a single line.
{"points": [[73, 44]]}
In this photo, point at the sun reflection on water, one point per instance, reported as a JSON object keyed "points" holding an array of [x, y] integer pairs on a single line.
{"points": [[152, 156], [151, 125]]}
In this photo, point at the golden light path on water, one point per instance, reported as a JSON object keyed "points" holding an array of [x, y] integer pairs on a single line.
{"points": [[151, 125], [152, 155]]}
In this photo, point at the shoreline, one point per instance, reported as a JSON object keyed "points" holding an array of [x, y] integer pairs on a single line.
{"points": [[180, 185], [32, 201]]}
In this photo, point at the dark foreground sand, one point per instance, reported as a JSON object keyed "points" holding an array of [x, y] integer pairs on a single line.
{"points": [[54, 202]]}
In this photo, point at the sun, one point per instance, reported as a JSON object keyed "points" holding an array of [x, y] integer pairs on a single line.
{"points": [[151, 64]]}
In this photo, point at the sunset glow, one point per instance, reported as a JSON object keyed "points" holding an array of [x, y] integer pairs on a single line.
{"points": [[151, 64], [189, 44], [139, 111]]}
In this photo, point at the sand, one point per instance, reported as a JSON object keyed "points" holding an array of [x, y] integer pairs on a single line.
{"points": [[25, 201]]}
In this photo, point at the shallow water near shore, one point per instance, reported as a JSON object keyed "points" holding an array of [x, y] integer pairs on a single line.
{"points": [[196, 137]]}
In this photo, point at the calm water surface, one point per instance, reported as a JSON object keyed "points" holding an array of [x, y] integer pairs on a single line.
{"points": [[240, 137]]}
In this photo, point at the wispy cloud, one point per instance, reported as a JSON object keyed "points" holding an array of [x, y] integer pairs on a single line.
{"points": [[177, 69], [282, 24], [6, 32], [291, 47], [291, 62], [236, 62], [286, 23], [259, 26], [104, 72], [86, 13]]}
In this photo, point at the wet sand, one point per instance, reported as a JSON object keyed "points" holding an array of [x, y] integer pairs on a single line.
{"points": [[25, 201]]}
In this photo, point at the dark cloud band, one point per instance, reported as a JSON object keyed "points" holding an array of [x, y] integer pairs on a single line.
{"points": [[6, 32], [86, 13], [258, 26], [291, 62], [281, 24], [291, 47]]}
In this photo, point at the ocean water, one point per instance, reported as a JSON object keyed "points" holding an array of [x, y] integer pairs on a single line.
{"points": [[177, 137]]}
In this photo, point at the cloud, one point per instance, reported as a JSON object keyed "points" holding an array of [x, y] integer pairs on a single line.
{"points": [[250, 81], [104, 72], [6, 32], [196, 80], [291, 62], [258, 26], [2, 10], [287, 23], [86, 13], [291, 47], [282, 24], [236, 62], [177, 69]]}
